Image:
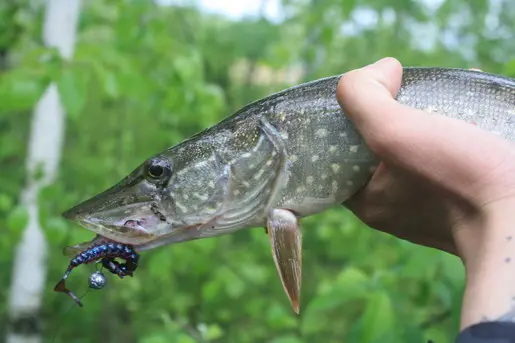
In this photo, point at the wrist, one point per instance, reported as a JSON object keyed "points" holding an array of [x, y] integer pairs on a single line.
{"points": [[488, 252]]}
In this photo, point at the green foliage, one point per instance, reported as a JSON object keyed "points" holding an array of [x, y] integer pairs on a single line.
{"points": [[143, 78]]}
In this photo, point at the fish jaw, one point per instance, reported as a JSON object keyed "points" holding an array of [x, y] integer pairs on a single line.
{"points": [[124, 231], [133, 224]]}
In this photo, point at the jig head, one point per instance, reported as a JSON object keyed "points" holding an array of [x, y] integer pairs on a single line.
{"points": [[97, 280], [106, 252]]}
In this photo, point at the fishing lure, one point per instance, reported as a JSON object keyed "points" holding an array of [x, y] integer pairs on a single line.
{"points": [[106, 252]]}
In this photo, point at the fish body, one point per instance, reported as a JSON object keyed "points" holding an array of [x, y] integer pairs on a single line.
{"points": [[295, 149], [278, 159]]}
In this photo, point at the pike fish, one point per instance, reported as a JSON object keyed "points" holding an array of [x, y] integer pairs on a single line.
{"points": [[279, 159]]}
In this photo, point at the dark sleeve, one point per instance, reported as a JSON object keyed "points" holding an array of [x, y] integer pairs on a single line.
{"points": [[488, 332]]}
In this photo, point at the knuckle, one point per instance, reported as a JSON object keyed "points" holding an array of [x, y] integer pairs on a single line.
{"points": [[347, 85]]}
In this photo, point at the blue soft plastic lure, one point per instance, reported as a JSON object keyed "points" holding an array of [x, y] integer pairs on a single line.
{"points": [[107, 252]]}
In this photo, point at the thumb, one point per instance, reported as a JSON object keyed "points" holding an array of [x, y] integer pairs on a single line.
{"points": [[364, 92]]}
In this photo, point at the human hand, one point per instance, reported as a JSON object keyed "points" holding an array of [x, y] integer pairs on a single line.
{"points": [[442, 183], [437, 174]]}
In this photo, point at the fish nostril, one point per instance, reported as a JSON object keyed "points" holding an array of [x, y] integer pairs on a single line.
{"points": [[76, 213], [70, 214]]}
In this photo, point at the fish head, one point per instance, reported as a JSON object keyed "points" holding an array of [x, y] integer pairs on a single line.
{"points": [[171, 197]]}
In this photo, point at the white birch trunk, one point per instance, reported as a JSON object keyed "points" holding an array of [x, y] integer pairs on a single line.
{"points": [[45, 145]]}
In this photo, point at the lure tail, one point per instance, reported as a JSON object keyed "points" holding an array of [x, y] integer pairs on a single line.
{"points": [[61, 287]]}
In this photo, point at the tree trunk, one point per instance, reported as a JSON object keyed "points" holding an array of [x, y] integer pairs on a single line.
{"points": [[45, 146]]}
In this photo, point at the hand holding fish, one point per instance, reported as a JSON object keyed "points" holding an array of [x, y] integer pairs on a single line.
{"points": [[442, 183]]}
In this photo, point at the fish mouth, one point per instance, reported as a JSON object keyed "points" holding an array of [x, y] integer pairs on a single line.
{"points": [[142, 225], [133, 224]]}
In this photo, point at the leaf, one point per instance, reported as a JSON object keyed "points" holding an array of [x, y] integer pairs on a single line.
{"points": [[351, 284], [185, 338], [6, 202], [55, 229], [72, 86], [453, 269], [378, 321], [444, 292], [20, 89], [436, 334], [160, 260], [213, 332], [287, 339], [280, 317], [17, 219], [111, 85], [211, 290], [186, 68], [416, 266], [155, 338], [109, 79], [509, 68]]}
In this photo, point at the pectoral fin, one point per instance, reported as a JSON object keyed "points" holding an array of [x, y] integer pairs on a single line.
{"points": [[286, 244]]}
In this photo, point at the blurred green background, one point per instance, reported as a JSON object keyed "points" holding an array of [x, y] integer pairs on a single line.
{"points": [[144, 77]]}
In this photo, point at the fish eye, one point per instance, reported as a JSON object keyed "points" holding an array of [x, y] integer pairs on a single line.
{"points": [[158, 169], [155, 171]]}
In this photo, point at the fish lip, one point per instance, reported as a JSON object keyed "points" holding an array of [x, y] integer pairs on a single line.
{"points": [[77, 214], [119, 233]]}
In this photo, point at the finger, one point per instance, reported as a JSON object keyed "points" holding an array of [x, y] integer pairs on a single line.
{"points": [[445, 151]]}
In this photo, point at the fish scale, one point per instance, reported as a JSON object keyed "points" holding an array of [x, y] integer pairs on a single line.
{"points": [[276, 160]]}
